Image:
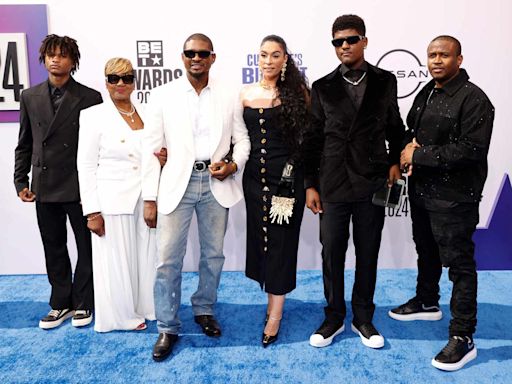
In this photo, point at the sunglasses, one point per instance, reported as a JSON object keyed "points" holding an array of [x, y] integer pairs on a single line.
{"points": [[190, 54], [349, 39], [114, 79]]}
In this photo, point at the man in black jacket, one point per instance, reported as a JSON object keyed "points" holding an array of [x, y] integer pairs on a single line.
{"points": [[354, 113], [48, 141], [450, 126]]}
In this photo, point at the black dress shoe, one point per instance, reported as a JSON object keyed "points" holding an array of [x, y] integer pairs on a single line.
{"points": [[163, 346], [209, 325]]}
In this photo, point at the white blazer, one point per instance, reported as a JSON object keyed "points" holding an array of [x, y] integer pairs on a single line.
{"points": [[168, 120], [109, 160]]}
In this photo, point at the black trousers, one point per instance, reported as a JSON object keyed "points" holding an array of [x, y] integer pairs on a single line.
{"points": [[67, 292], [443, 237], [367, 223]]}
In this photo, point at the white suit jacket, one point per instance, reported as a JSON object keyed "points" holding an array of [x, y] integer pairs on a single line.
{"points": [[109, 160], [168, 120]]}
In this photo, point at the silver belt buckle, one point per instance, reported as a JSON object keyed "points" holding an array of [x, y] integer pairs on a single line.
{"points": [[200, 166]]}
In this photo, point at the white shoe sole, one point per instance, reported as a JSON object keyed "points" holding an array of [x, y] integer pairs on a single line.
{"points": [[316, 340], [426, 316], [56, 323], [81, 322], [455, 366], [375, 341]]}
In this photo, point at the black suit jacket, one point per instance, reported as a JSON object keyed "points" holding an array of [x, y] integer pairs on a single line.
{"points": [[48, 142], [345, 144]]}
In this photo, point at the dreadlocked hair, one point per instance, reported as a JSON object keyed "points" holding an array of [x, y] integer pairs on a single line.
{"points": [[67, 47]]}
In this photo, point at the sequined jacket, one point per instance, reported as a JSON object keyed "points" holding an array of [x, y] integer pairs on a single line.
{"points": [[453, 125]]}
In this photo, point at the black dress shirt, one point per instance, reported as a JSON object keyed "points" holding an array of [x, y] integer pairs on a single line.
{"points": [[355, 92], [56, 95]]}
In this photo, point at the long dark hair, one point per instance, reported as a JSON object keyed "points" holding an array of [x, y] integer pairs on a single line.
{"points": [[293, 92]]}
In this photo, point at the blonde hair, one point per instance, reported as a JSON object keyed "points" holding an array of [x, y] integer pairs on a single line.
{"points": [[118, 65]]}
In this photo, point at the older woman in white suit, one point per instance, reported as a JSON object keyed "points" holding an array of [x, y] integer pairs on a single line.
{"points": [[109, 167]]}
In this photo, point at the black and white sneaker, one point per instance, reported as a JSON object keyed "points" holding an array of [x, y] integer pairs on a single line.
{"points": [[54, 318], [459, 351], [415, 309], [81, 318], [369, 335], [325, 334]]}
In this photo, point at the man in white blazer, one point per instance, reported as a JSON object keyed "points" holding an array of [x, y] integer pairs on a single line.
{"points": [[198, 120]]}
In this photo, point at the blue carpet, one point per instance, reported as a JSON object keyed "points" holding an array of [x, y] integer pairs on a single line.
{"points": [[68, 355]]}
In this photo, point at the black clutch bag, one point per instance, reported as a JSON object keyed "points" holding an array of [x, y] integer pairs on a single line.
{"points": [[281, 208]]}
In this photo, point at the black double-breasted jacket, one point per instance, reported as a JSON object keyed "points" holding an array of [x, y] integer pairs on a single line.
{"points": [[348, 151], [48, 141]]}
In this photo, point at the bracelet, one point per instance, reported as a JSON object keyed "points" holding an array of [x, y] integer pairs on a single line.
{"points": [[94, 217]]}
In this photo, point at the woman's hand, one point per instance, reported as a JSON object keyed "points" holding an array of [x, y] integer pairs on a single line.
{"points": [[96, 224]]}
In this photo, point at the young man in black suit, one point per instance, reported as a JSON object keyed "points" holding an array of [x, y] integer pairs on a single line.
{"points": [[354, 113], [48, 140]]}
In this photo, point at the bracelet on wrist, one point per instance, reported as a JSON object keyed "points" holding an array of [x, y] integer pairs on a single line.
{"points": [[90, 218]]}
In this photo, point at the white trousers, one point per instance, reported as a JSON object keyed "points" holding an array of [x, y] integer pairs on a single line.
{"points": [[124, 267]]}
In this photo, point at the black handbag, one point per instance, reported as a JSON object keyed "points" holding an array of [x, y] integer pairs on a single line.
{"points": [[281, 207]]}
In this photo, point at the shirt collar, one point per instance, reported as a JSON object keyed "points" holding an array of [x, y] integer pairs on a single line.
{"points": [[454, 84], [53, 88], [344, 69]]}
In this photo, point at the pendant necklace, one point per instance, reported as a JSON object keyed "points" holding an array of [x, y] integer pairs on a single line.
{"points": [[129, 114], [356, 82], [266, 86]]}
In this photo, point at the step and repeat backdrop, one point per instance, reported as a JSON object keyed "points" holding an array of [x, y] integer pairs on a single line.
{"points": [[151, 35]]}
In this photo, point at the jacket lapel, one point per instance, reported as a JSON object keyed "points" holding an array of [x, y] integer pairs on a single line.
{"points": [[216, 125], [371, 97], [337, 93], [69, 102], [44, 105]]}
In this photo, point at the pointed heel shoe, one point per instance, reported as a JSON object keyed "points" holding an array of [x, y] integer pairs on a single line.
{"points": [[266, 340]]}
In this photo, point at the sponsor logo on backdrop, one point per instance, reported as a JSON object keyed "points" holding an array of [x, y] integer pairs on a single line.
{"points": [[408, 69], [251, 73], [150, 71]]}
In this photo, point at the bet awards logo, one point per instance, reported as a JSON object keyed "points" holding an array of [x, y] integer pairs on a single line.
{"points": [[407, 68], [150, 72], [251, 73]]}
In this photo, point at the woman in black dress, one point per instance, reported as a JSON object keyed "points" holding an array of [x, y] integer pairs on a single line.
{"points": [[276, 115]]}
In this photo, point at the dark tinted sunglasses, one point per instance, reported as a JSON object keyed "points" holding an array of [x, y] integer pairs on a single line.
{"points": [[114, 79], [349, 39], [190, 54]]}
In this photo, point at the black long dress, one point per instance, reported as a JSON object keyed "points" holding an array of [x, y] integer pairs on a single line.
{"points": [[271, 248]]}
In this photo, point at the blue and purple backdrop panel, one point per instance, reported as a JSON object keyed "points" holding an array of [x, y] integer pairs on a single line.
{"points": [[31, 20]]}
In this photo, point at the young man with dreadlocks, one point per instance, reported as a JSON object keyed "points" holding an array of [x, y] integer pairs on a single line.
{"points": [[47, 144]]}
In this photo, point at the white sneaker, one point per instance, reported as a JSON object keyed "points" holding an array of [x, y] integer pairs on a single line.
{"points": [[81, 318], [325, 334], [369, 335]]}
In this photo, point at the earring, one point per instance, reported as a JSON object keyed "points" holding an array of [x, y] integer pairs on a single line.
{"points": [[283, 70]]}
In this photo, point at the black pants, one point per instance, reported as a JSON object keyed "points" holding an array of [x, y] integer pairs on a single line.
{"points": [[66, 292], [443, 237], [367, 223]]}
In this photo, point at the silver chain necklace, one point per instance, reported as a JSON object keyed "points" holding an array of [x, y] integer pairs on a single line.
{"points": [[356, 82], [129, 114]]}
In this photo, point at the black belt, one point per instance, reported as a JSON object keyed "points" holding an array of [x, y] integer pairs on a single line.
{"points": [[201, 165]]}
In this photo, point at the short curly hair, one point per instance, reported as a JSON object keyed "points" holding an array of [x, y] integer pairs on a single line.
{"points": [[349, 22]]}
